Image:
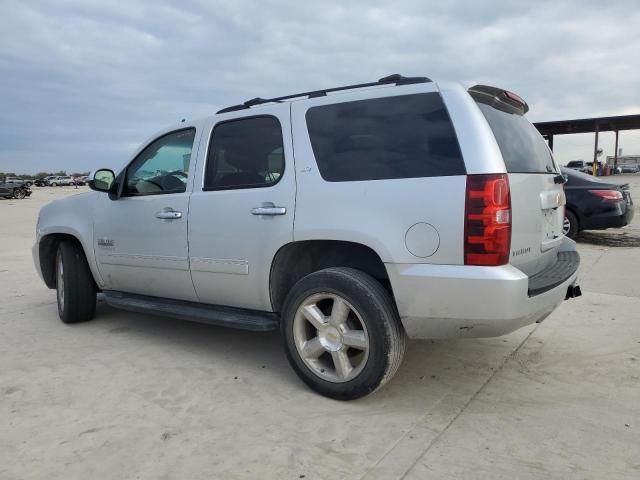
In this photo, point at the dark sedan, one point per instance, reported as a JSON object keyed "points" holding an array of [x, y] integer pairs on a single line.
{"points": [[593, 204], [14, 190]]}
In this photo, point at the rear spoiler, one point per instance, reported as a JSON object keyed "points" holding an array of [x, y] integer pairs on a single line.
{"points": [[498, 98]]}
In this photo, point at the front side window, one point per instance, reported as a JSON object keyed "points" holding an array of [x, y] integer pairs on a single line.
{"points": [[245, 153], [163, 166], [406, 136]]}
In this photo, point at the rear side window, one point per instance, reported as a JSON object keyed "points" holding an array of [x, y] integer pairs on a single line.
{"points": [[404, 136], [245, 153], [523, 148]]}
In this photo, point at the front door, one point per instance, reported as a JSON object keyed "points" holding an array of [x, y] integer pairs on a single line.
{"points": [[141, 238], [242, 208]]}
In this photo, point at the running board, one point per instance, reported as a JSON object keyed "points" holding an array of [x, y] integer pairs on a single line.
{"points": [[195, 312]]}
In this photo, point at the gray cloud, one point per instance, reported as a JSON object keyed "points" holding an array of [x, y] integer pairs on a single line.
{"points": [[82, 83]]}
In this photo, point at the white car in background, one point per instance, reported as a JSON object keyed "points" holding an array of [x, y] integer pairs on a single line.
{"points": [[14, 180], [61, 181]]}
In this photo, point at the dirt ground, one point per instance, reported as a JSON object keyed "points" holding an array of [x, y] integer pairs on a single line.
{"points": [[138, 396]]}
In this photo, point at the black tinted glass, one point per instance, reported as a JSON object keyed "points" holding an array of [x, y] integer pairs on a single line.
{"points": [[405, 136], [523, 148], [245, 153]]}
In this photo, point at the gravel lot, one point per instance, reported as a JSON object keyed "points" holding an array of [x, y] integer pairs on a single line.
{"points": [[138, 396]]}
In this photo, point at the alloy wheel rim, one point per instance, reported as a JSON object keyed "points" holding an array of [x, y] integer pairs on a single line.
{"points": [[331, 337], [566, 226]]}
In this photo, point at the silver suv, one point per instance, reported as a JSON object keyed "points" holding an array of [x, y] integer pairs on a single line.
{"points": [[61, 180], [348, 218]]}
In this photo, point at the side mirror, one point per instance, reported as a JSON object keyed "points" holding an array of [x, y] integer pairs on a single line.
{"points": [[102, 180]]}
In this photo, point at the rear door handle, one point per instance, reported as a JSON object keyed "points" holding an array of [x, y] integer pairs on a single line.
{"points": [[168, 215], [268, 208]]}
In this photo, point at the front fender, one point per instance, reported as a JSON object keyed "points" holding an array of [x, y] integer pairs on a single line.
{"points": [[71, 216]]}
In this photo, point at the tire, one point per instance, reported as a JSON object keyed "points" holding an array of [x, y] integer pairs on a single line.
{"points": [[54, 184], [571, 226], [348, 355], [19, 193], [75, 287]]}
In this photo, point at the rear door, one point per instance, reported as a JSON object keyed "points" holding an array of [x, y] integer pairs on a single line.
{"points": [[537, 196]]}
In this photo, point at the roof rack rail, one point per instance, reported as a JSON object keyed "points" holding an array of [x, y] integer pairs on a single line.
{"points": [[391, 79]]}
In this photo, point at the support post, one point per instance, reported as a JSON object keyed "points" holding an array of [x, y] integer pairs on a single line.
{"points": [[550, 138], [594, 170], [615, 154]]}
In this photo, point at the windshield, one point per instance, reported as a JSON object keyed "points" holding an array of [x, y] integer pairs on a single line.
{"points": [[523, 148]]}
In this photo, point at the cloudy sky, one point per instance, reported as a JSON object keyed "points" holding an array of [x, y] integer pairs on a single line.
{"points": [[83, 83]]}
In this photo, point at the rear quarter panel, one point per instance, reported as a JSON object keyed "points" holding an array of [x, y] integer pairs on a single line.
{"points": [[375, 213]]}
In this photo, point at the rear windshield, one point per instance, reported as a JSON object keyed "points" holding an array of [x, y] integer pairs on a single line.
{"points": [[404, 136], [523, 148]]}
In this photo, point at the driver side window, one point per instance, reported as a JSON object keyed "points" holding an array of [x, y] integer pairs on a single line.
{"points": [[163, 166]]}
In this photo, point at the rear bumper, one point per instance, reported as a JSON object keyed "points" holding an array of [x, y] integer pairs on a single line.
{"points": [[617, 216], [449, 301]]}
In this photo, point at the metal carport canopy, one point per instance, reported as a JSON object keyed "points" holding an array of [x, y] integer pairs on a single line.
{"points": [[589, 125]]}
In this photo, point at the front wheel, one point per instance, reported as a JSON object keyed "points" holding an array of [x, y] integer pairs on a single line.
{"points": [[54, 184], [342, 333], [19, 193], [75, 287]]}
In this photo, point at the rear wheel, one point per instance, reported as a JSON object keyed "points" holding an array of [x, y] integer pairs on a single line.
{"points": [[75, 288], [342, 333], [54, 184], [570, 224]]}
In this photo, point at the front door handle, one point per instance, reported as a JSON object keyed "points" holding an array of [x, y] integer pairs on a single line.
{"points": [[268, 208], [168, 214]]}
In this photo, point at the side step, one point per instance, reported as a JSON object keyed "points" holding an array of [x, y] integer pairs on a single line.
{"points": [[195, 312]]}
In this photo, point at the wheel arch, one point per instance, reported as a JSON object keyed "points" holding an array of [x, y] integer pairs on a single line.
{"points": [[574, 210], [298, 259], [47, 250]]}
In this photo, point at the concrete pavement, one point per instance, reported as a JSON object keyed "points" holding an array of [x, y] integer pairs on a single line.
{"points": [[139, 396]]}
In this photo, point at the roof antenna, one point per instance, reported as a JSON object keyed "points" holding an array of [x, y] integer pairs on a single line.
{"points": [[182, 121]]}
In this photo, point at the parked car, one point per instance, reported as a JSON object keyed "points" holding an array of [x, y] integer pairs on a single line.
{"points": [[40, 182], [14, 190], [79, 181], [584, 167], [579, 165], [43, 182], [61, 181], [629, 168], [593, 204], [18, 181], [414, 216]]}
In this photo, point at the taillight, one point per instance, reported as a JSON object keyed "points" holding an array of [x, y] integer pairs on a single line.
{"points": [[608, 195], [487, 228]]}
